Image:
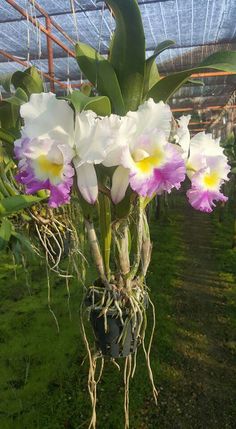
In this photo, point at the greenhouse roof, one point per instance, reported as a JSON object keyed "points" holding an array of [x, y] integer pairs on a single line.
{"points": [[199, 28]]}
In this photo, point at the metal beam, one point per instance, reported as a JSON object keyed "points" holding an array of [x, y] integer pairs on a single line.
{"points": [[40, 26], [190, 109], [54, 23], [26, 64], [50, 54], [200, 123], [198, 129]]}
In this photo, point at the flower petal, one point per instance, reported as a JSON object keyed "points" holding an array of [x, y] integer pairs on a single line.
{"points": [[87, 181], [156, 177], [183, 134], [206, 145], [120, 183], [204, 200], [42, 165], [122, 129], [93, 137], [151, 116], [47, 117]]}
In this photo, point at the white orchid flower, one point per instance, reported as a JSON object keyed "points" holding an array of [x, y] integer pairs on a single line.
{"points": [[206, 167], [52, 139], [148, 162]]}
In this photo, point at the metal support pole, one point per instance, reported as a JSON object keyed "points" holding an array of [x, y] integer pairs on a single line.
{"points": [[50, 54]]}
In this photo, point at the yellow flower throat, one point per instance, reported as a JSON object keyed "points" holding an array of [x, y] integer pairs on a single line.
{"points": [[48, 167], [211, 180]]}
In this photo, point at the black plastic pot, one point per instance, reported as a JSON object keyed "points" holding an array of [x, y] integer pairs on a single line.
{"points": [[108, 342]]}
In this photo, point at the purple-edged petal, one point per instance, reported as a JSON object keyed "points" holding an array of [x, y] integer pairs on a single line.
{"points": [[45, 164], [168, 175], [204, 200]]}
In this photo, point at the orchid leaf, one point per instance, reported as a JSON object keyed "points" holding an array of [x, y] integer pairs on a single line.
{"points": [[10, 205], [127, 51], [36, 76], [195, 82], [20, 97], [86, 89], [100, 104], [5, 81], [29, 80], [5, 233], [161, 47], [124, 207], [151, 71], [101, 74], [9, 115], [166, 87], [25, 243], [6, 136]]}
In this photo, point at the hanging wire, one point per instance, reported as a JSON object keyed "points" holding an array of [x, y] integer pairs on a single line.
{"points": [[101, 28], [150, 25], [28, 31], [68, 89], [104, 19], [191, 36], [205, 30], [166, 36], [36, 30], [72, 5], [179, 33]]}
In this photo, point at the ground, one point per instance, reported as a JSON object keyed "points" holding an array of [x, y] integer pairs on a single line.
{"points": [[192, 280]]}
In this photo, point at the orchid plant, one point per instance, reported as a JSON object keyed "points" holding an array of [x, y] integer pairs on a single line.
{"points": [[112, 152]]}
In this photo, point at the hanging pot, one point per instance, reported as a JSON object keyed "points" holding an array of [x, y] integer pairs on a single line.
{"points": [[116, 341]]}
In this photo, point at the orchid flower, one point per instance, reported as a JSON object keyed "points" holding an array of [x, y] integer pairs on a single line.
{"points": [[206, 166], [148, 162], [45, 149], [52, 140], [93, 139]]}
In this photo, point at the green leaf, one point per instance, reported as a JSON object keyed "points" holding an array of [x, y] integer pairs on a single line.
{"points": [[195, 82], [5, 233], [124, 207], [166, 87], [20, 97], [29, 81], [100, 104], [23, 241], [9, 115], [86, 89], [160, 48], [127, 51], [233, 170], [89, 210], [11, 205], [102, 75], [6, 136], [5, 81], [36, 76], [151, 71]]}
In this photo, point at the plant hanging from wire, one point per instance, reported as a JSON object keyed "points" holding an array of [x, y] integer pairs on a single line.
{"points": [[114, 152]]}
